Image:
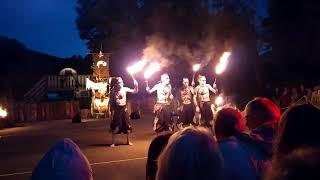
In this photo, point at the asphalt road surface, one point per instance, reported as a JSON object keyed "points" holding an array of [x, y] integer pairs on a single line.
{"points": [[22, 147]]}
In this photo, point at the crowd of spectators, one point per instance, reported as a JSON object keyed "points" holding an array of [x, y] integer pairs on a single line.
{"points": [[258, 143], [286, 96]]}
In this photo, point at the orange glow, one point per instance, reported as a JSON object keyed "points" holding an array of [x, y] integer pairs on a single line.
{"points": [[151, 69], [196, 67], [222, 65], [3, 112], [219, 101], [137, 67]]}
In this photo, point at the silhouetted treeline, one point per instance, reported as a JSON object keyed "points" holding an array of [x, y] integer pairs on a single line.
{"points": [[21, 67]]}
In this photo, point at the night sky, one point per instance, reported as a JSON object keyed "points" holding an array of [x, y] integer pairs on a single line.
{"points": [[49, 25], [43, 25]]}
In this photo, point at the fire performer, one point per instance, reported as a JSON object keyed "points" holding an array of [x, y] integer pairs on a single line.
{"points": [[163, 120], [203, 104], [187, 101], [120, 118]]}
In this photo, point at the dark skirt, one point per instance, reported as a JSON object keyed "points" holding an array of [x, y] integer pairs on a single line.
{"points": [[163, 119], [186, 115], [120, 120], [206, 114]]}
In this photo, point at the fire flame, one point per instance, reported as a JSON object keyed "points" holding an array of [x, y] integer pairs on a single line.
{"points": [[222, 65], [219, 101], [137, 67], [152, 68], [3, 112], [196, 67], [224, 57], [220, 68]]}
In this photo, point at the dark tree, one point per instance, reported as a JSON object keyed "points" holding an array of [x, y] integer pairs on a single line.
{"points": [[177, 32], [295, 39]]}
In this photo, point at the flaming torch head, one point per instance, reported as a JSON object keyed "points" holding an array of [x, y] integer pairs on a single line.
{"points": [[137, 67], [3, 113], [224, 57], [152, 68], [222, 65], [196, 67], [220, 68], [219, 101]]}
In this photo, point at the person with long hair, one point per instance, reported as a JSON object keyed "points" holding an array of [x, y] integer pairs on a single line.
{"points": [[298, 128], [242, 159], [301, 163], [262, 117], [190, 154]]}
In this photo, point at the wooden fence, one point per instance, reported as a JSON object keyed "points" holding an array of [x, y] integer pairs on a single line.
{"points": [[24, 112]]}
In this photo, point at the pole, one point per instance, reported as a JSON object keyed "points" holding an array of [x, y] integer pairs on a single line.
{"points": [[193, 76]]}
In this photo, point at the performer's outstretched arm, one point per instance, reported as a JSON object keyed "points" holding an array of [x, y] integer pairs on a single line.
{"points": [[171, 95], [135, 89], [154, 88], [214, 90]]}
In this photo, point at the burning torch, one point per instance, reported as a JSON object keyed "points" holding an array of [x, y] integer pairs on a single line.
{"points": [[222, 65], [151, 69], [223, 62], [219, 101], [137, 67], [3, 112], [195, 68]]}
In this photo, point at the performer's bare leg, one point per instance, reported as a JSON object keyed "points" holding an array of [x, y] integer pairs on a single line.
{"points": [[112, 140], [128, 140]]}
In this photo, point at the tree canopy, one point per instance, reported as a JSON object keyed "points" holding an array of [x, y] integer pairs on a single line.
{"points": [[177, 32]]}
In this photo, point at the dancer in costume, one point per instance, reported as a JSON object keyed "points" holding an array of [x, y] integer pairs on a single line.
{"points": [[187, 102], [202, 95], [120, 118], [163, 120]]}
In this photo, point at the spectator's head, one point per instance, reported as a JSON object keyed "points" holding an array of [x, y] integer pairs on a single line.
{"points": [[155, 148], [228, 122], [64, 161], [190, 154], [259, 111], [303, 163], [298, 127], [294, 90], [285, 91], [302, 87]]}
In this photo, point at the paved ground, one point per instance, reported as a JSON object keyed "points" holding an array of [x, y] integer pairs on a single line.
{"points": [[22, 147]]}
